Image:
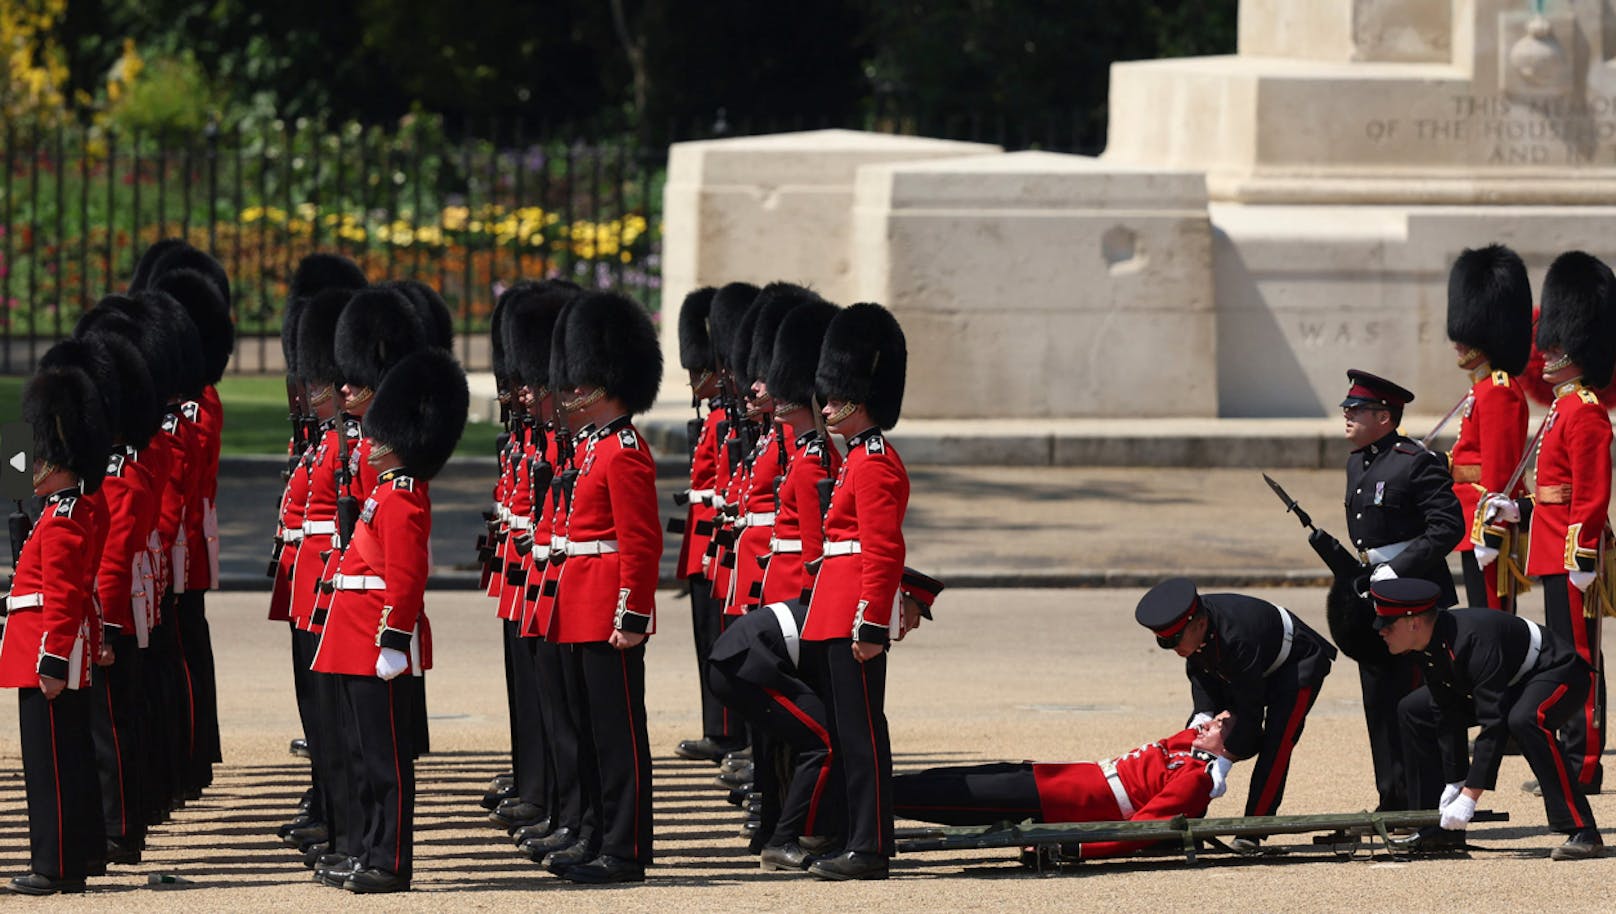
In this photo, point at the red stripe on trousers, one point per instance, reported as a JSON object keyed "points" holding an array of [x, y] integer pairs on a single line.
{"points": [[875, 753], [1282, 760], [824, 769], [1554, 751], [398, 781], [56, 782], [1592, 739], [117, 751]]}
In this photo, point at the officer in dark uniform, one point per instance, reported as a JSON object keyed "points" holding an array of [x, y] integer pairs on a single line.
{"points": [[1403, 519], [1250, 657], [1510, 677]]}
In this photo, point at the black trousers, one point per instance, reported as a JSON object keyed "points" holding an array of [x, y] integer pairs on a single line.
{"points": [[855, 693], [58, 765], [1384, 685], [116, 723], [167, 715], [338, 762], [306, 689], [197, 641], [797, 724], [707, 622], [531, 754], [1582, 734], [607, 694], [507, 645], [969, 794], [1291, 691], [1539, 707], [381, 742], [568, 807]]}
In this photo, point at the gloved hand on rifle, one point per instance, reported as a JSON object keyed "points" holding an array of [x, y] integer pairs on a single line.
{"points": [[1501, 509], [1458, 812]]}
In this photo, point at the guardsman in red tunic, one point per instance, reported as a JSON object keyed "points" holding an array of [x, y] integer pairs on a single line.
{"points": [[1490, 324], [733, 314], [503, 785], [1179, 775], [45, 651], [607, 364], [530, 317], [844, 651], [1570, 528], [813, 462], [376, 628], [706, 330]]}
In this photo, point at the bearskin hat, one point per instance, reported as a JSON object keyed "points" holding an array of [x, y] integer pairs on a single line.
{"points": [[289, 322], [729, 305], [317, 337], [603, 339], [146, 266], [430, 308], [322, 270], [69, 423], [186, 257], [496, 339], [1490, 306], [167, 317], [111, 317], [695, 338], [531, 314], [1579, 314], [420, 410], [208, 310], [377, 329], [121, 379], [773, 304], [864, 360], [790, 376]]}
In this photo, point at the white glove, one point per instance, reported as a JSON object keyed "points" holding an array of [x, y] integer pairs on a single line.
{"points": [[1485, 555], [1457, 814], [1581, 579], [389, 663], [1201, 717], [1220, 776], [1449, 792], [1501, 509], [1383, 572]]}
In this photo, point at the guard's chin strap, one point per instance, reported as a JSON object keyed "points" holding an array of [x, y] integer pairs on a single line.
{"points": [[586, 400], [846, 410]]}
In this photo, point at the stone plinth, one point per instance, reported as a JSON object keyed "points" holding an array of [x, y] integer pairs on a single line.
{"points": [[757, 209], [1038, 285]]}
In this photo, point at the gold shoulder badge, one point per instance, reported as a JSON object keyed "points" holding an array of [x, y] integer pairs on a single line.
{"points": [[404, 484], [1500, 379], [1587, 396]]}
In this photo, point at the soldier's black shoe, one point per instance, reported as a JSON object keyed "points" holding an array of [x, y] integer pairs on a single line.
{"points": [[705, 749], [1433, 839], [751, 827], [738, 777], [850, 865], [540, 829], [515, 813], [285, 830], [299, 747], [558, 862], [1583, 845], [35, 884], [820, 845], [122, 853], [788, 856], [740, 758], [313, 852], [736, 796], [499, 790], [604, 870], [338, 872], [312, 833], [371, 881], [539, 848]]}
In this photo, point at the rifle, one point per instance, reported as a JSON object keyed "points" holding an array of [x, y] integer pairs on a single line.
{"points": [[347, 504], [1336, 556], [21, 525], [566, 456], [743, 434], [296, 414], [825, 485]]}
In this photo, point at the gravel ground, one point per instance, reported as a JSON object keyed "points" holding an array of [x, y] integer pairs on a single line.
{"points": [[1002, 674]]}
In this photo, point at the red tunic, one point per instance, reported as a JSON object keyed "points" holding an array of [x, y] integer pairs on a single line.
{"points": [[799, 529], [183, 508], [362, 480], [381, 589], [1163, 779], [520, 504], [542, 612], [1492, 437], [170, 495], [155, 458], [118, 578], [1574, 455], [536, 562], [855, 592], [758, 508], [293, 501], [47, 630], [703, 485], [614, 501], [319, 522], [502, 505], [201, 515]]}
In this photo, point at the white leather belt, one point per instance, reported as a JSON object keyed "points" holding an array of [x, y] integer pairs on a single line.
{"points": [[760, 519], [1284, 645], [841, 547], [558, 545], [1533, 650], [358, 582], [591, 547], [1124, 805], [319, 527], [1382, 554], [521, 522], [503, 513], [24, 601], [292, 535], [788, 628], [700, 496], [779, 546]]}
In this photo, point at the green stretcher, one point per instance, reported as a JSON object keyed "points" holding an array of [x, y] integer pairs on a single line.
{"points": [[1340, 830]]}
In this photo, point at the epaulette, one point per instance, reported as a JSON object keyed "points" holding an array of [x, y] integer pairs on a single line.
{"points": [[1408, 447], [191, 409], [115, 466], [1500, 379], [404, 483], [352, 428], [875, 444], [171, 423], [64, 508], [814, 448], [1587, 396], [627, 438]]}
